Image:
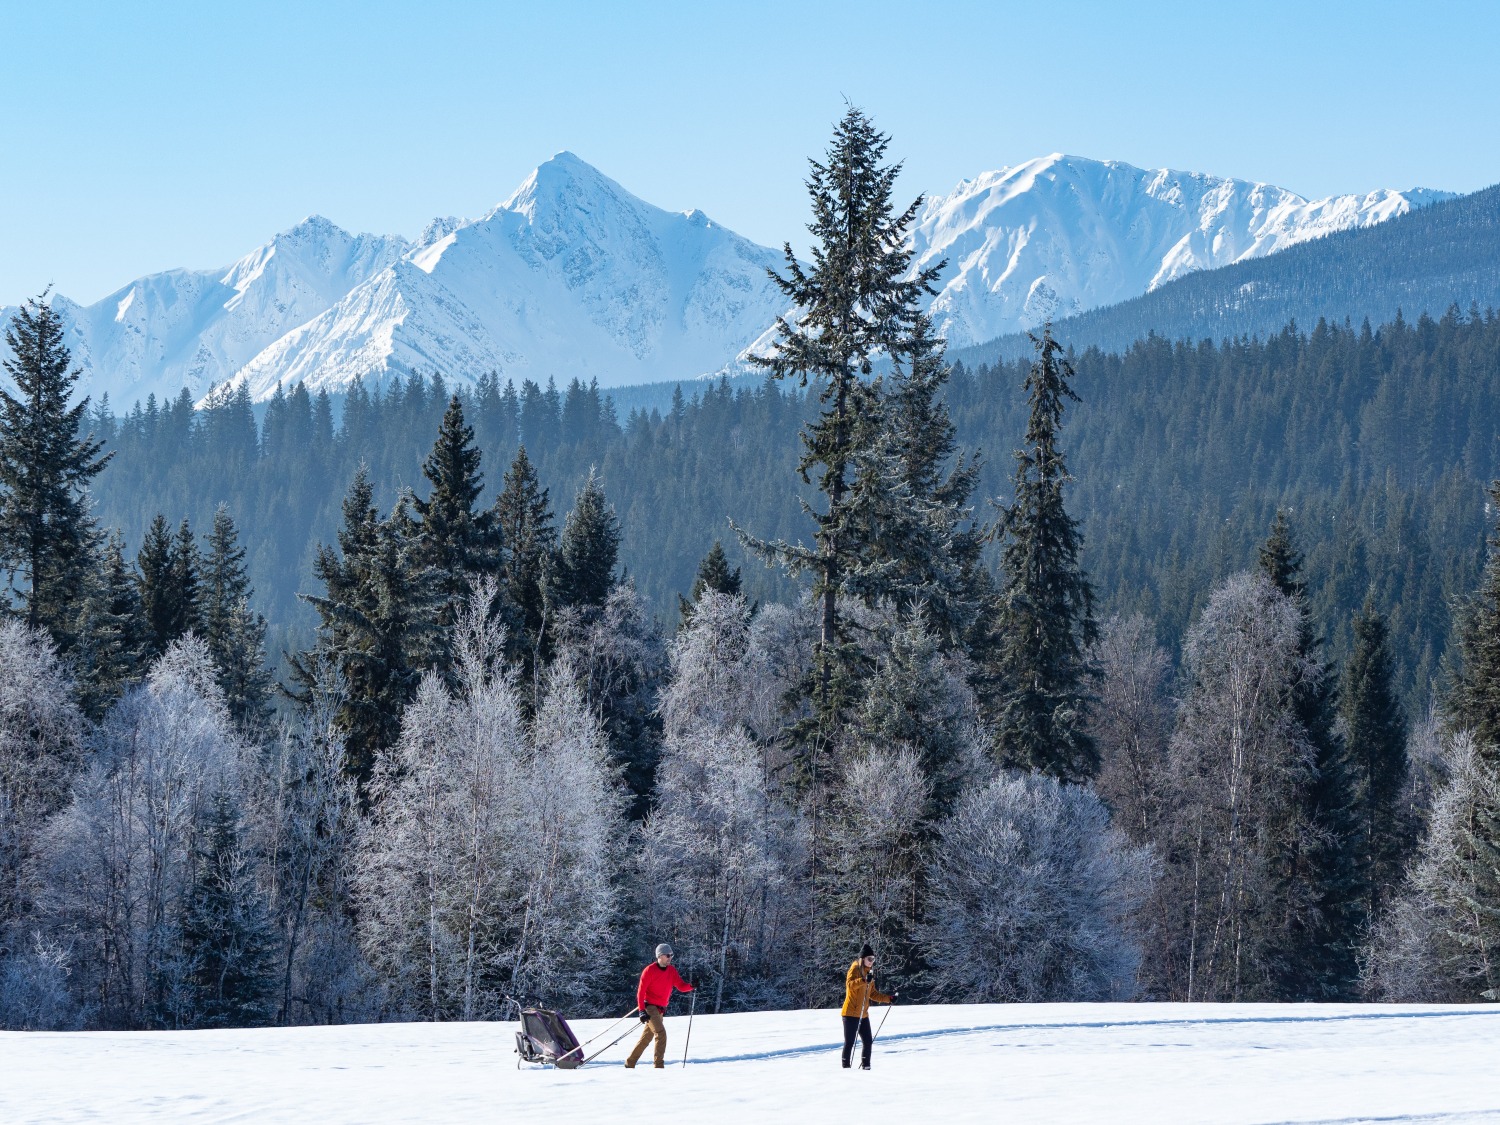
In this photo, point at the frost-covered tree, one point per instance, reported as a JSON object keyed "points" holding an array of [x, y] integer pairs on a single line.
{"points": [[1439, 941], [485, 863], [721, 846], [301, 817], [1131, 724], [118, 862], [714, 575], [1239, 763], [1033, 897], [918, 697], [41, 749], [872, 850]]}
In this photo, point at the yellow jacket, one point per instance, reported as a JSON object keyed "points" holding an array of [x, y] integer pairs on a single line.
{"points": [[859, 993]]}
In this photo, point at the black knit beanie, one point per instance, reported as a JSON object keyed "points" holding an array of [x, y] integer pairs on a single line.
{"points": [[867, 951]]}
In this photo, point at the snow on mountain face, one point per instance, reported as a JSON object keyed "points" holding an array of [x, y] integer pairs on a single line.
{"points": [[198, 328], [1061, 234], [572, 276]]}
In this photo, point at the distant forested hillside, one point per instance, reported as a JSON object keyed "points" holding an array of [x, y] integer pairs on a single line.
{"points": [[1427, 259], [1377, 442]]}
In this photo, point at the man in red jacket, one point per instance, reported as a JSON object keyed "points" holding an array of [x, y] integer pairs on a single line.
{"points": [[658, 979]]}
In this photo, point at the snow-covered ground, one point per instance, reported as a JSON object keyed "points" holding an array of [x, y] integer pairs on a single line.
{"points": [[1013, 1063]]}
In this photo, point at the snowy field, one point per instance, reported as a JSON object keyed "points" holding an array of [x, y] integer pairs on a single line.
{"points": [[1015, 1063]]}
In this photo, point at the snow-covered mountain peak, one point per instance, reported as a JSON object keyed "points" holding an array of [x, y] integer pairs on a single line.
{"points": [[1053, 236]]}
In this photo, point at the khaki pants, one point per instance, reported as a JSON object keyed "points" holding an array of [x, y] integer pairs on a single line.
{"points": [[656, 1030]]}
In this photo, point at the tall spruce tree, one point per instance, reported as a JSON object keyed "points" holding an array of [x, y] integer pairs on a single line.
{"points": [[860, 299], [589, 550], [713, 575], [1037, 679], [528, 543], [1473, 696], [235, 634], [1315, 846], [457, 540], [47, 538], [378, 624], [1375, 733]]}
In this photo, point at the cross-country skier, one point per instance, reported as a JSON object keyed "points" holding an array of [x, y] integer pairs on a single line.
{"points": [[658, 979], [859, 993]]}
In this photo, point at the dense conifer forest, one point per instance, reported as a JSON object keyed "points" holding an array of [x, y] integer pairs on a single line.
{"points": [[1376, 441]]}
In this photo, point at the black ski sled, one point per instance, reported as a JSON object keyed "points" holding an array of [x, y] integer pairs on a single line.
{"points": [[545, 1039]]}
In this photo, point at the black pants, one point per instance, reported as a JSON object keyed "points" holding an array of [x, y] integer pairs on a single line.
{"points": [[857, 1025]]}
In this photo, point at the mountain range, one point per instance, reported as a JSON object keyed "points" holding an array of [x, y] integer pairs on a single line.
{"points": [[573, 276]]}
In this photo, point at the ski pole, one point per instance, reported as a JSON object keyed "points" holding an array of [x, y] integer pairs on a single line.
{"points": [[692, 1006], [602, 1034], [608, 1045], [881, 1024]]}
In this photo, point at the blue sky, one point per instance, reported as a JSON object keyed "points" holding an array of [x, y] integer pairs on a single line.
{"points": [[136, 136]]}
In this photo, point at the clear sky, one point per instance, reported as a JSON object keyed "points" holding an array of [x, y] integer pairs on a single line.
{"points": [[140, 135]]}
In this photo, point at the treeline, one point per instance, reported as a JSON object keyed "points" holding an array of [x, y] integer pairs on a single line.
{"points": [[495, 772]]}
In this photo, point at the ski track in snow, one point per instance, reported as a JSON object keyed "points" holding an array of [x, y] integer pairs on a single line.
{"points": [[1159, 1063]]}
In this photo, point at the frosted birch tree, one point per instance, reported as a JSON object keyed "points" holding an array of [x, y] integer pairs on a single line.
{"points": [[118, 862], [485, 864], [1239, 757], [721, 846]]}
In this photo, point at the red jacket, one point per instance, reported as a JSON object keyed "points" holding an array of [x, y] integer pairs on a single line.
{"points": [[657, 985]]}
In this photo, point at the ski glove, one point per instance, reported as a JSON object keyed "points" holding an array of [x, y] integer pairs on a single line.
{"points": [[644, 1017], [894, 995]]}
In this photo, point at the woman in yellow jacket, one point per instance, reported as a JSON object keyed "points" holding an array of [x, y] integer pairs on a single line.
{"points": [[859, 993]]}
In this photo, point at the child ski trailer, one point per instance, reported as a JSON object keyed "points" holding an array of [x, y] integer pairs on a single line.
{"points": [[658, 980], [859, 993]]}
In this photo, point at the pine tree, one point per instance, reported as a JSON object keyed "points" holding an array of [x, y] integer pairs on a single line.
{"points": [[378, 628], [1375, 733], [457, 541], [589, 549], [1315, 846], [47, 537], [164, 603], [528, 541], [227, 936], [1044, 618], [859, 299], [235, 635], [111, 632], [1474, 690], [713, 574]]}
